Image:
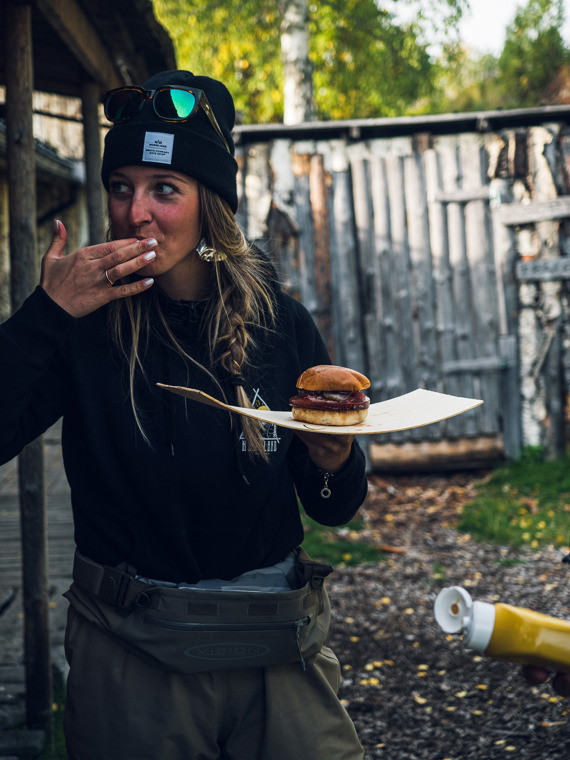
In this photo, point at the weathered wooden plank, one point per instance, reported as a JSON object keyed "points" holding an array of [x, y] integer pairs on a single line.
{"points": [[421, 279], [464, 195], [400, 278], [241, 160], [480, 256], [444, 307], [349, 347], [544, 269], [536, 211], [364, 222], [90, 98], [318, 183], [437, 455], [504, 257], [510, 396], [381, 328], [479, 365], [448, 148], [555, 439], [303, 216], [400, 270], [257, 191], [283, 227]]}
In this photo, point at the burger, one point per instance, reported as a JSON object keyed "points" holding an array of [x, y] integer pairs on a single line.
{"points": [[330, 395]]}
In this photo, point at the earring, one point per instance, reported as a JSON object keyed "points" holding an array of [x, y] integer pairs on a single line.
{"points": [[207, 253]]}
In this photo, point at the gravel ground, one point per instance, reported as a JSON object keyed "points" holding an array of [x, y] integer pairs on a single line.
{"points": [[413, 692]]}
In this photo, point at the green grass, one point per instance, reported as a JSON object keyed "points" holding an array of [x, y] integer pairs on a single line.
{"points": [[339, 547], [524, 502]]}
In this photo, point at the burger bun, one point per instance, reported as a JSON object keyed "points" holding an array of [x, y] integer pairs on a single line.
{"points": [[329, 394], [328, 417]]}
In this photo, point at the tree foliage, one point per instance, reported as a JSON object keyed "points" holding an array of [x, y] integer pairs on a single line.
{"points": [[366, 63], [533, 55], [534, 51], [234, 42], [367, 69], [370, 58]]}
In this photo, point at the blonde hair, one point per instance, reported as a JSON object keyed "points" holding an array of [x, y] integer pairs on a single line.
{"points": [[241, 302]]}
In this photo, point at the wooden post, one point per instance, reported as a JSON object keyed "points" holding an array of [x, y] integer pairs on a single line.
{"points": [[321, 243], [303, 216], [24, 266], [510, 396], [4, 255], [555, 440], [92, 147]]}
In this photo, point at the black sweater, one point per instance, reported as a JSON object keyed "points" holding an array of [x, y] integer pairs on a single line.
{"points": [[190, 503]]}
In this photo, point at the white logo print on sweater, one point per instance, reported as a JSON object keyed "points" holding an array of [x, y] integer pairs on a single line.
{"points": [[270, 438]]}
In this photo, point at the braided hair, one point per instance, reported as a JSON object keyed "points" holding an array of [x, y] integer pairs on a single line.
{"points": [[241, 303]]}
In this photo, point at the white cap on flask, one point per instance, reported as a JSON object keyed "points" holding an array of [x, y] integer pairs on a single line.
{"points": [[456, 611]]}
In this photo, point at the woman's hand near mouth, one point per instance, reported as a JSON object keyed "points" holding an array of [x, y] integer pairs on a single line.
{"points": [[81, 282]]}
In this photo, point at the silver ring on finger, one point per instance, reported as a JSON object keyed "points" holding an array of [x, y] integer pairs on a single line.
{"points": [[109, 280]]}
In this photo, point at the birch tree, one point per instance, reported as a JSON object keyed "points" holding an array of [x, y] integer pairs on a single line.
{"points": [[297, 68], [293, 60]]}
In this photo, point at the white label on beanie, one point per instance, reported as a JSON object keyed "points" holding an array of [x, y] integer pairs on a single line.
{"points": [[158, 147]]}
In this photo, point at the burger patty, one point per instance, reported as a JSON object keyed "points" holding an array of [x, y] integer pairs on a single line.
{"points": [[333, 401]]}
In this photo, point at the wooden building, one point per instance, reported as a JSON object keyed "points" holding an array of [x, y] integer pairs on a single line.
{"points": [[64, 49], [433, 251], [59, 57]]}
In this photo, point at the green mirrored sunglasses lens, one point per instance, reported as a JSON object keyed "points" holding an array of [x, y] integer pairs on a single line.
{"points": [[123, 105], [174, 104]]}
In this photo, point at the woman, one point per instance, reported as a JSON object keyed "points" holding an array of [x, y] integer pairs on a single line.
{"points": [[167, 492]]}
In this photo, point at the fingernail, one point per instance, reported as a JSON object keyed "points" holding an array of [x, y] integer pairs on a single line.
{"points": [[148, 283], [149, 256], [56, 224], [150, 243]]}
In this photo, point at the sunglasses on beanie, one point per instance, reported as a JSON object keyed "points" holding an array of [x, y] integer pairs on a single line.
{"points": [[171, 103]]}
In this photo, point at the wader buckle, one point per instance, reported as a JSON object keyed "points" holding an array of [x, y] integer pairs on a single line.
{"points": [[114, 587]]}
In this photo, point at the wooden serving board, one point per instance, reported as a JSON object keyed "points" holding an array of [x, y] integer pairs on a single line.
{"points": [[415, 409]]}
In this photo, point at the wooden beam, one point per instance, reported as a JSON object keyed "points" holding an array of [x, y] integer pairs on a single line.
{"points": [[477, 364], [512, 214], [544, 269], [48, 164], [430, 456], [25, 270], [75, 30], [92, 143], [464, 195]]}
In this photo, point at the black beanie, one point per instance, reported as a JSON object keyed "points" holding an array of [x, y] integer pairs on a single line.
{"points": [[192, 147]]}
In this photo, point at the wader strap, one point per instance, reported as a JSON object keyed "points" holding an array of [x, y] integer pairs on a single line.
{"points": [[106, 583], [122, 589], [314, 572]]}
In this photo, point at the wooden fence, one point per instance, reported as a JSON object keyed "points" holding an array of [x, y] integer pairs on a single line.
{"points": [[403, 238]]}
